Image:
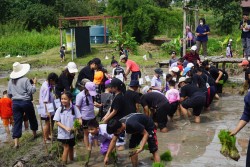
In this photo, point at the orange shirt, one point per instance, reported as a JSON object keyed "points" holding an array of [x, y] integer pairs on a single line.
{"points": [[98, 77], [132, 66], [5, 108]]}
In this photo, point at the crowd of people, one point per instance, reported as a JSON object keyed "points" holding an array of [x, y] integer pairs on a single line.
{"points": [[107, 109]]}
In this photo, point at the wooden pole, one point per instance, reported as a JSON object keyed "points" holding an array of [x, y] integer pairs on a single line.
{"points": [[184, 27], [105, 29]]}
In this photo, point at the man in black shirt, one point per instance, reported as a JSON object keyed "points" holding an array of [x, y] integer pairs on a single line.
{"points": [[191, 97], [158, 104], [132, 97], [141, 129]]}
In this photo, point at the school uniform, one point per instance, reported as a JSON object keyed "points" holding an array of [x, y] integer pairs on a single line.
{"points": [[66, 117], [45, 96], [156, 82], [87, 111], [102, 137]]}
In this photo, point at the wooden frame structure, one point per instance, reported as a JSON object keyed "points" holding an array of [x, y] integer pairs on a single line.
{"points": [[88, 18]]}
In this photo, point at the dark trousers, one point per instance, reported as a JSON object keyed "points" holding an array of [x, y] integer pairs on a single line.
{"points": [[135, 75], [20, 107], [162, 115], [248, 155]]}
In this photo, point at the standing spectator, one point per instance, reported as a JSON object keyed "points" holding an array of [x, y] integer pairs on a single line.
{"points": [[66, 79], [245, 35], [131, 66], [62, 53], [21, 90], [189, 37], [173, 58], [202, 32], [229, 52], [6, 113], [89, 70]]}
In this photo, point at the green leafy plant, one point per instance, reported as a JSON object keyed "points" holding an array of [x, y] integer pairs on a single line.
{"points": [[174, 44], [127, 40], [228, 148], [158, 164], [166, 156]]}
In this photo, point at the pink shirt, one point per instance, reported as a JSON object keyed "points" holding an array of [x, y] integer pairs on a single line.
{"points": [[132, 66], [173, 95]]}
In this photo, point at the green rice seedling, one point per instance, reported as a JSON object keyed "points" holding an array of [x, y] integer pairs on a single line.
{"points": [[166, 156], [158, 164]]}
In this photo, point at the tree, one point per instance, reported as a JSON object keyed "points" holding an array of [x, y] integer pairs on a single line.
{"points": [[228, 12], [141, 18], [163, 3]]}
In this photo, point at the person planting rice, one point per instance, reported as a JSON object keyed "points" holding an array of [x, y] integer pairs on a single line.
{"points": [[245, 118], [156, 83], [141, 129], [131, 66]]}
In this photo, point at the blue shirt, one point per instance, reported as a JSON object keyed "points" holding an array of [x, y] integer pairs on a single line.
{"points": [[246, 114], [202, 29], [67, 119]]}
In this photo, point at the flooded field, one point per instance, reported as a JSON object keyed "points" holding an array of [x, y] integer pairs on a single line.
{"points": [[191, 145]]}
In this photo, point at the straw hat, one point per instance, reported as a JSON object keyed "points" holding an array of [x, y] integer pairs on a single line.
{"points": [[19, 70]]}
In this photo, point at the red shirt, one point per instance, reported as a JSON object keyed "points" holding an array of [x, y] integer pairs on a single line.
{"points": [[132, 66], [5, 108], [190, 57]]}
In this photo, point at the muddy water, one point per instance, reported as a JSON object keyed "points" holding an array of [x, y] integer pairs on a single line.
{"points": [[191, 145]]}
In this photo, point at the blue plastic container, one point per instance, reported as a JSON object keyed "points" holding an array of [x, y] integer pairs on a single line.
{"points": [[97, 35]]}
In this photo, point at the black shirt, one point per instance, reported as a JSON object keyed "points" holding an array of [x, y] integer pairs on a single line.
{"points": [[199, 81], [153, 100], [132, 98], [86, 72], [119, 105], [245, 34], [189, 90], [136, 123], [214, 72], [64, 83]]}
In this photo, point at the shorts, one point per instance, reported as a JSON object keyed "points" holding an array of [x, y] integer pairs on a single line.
{"points": [[7, 121], [135, 140], [70, 142], [47, 118], [197, 103], [85, 123], [173, 108]]}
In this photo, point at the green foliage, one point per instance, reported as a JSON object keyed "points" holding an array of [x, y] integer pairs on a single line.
{"points": [[173, 45], [28, 43], [158, 164], [228, 142], [127, 41], [77, 124], [166, 156]]}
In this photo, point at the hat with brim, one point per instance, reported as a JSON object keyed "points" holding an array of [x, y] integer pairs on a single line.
{"points": [[244, 63], [182, 79], [186, 69], [72, 67], [122, 57], [19, 70], [83, 82], [194, 48], [159, 71], [90, 86]]}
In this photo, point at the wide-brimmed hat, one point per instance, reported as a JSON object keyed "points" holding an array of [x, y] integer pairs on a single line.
{"points": [[90, 86], [107, 83], [190, 65], [244, 63], [72, 67], [19, 70], [134, 83], [83, 82]]}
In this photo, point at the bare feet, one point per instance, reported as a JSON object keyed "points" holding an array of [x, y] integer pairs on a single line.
{"points": [[164, 130], [197, 119], [120, 148]]}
